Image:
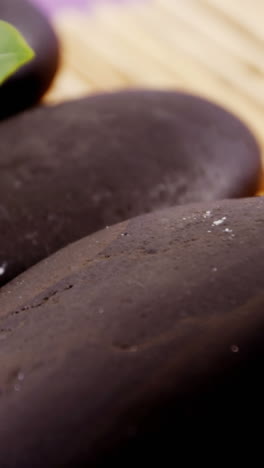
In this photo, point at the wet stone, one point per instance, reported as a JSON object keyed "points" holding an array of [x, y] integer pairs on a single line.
{"points": [[83, 165]]}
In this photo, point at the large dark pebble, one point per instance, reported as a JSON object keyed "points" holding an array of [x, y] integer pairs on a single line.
{"points": [[69, 170], [29, 84], [142, 343]]}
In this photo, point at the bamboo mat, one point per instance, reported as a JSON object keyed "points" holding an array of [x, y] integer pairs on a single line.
{"points": [[214, 48]]}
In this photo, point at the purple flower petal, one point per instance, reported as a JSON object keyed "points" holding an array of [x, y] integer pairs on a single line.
{"points": [[51, 6]]}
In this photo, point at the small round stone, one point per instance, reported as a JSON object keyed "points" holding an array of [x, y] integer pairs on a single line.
{"points": [[69, 170], [26, 87]]}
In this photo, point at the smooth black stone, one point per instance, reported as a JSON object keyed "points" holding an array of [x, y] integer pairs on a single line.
{"points": [[26, 87], [69, 170], [126, 350]]}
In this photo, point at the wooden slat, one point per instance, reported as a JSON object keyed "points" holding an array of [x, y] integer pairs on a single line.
{"points": [[246, 14]]}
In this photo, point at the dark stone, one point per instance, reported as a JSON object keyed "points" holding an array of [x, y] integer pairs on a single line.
{"points": [[70, 170], [114, 357], [27, 86]]}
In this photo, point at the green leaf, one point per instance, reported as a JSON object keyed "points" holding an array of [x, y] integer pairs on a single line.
{"points": [[14, 51]]}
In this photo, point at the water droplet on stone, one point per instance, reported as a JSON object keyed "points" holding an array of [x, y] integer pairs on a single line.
{"points": [[3, 268], [234, 349], [20, 376]]}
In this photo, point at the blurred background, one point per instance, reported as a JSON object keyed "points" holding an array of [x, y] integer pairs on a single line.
{"points": [[214, 48]]}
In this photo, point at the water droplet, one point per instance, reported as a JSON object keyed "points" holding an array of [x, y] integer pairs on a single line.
{"points": [[17, 388], [217, 222], [3, 268], [20, 376], [234, 349]]}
